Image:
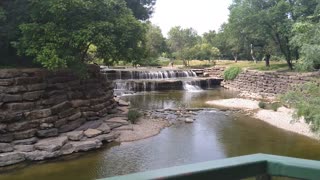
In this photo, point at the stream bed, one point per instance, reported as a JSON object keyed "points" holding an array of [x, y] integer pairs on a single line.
{"points": [[215, 134]]}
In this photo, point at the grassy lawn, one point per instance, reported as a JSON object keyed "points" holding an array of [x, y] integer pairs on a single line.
{"points": [[274, 65]]}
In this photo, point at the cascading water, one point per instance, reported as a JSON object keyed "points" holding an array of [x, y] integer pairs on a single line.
{"points": [[192, 86], [130, 81]]}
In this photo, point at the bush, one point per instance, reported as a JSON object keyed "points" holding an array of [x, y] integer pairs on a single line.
{"points": [[231, 73], [133, 116], [306, 100], [262, 105], [275, 106]]}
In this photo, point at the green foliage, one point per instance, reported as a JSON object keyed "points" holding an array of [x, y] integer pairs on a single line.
{"points": [[308, 41], [262, 105], [231, 73], [133, 116], [61, 32], [266, 25], [275, 106], [180, 41], [306, 100]]}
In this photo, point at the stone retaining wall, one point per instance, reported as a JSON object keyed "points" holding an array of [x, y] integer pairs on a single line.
{"points": [[260, 84], [38, 103], [49, 114]]}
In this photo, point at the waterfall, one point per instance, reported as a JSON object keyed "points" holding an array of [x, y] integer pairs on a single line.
{"points": [[140, 75], [192, 86]]}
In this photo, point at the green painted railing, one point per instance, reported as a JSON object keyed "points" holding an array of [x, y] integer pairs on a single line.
{"points": [[260, 166]]}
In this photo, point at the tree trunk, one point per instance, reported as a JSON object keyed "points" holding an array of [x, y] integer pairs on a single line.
{"points": [[267, 59], [235, 56], [184, 63], [253, 55]]}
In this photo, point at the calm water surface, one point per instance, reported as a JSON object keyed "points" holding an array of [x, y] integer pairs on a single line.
{"points": [[214, 135]]}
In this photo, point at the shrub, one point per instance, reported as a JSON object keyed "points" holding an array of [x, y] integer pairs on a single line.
{"points": [[231, 73], [306, 100], [275, 106], [133, 116], [262, 105]]}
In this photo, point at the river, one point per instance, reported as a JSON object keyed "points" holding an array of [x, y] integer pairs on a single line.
{"points": [[215, 135]]}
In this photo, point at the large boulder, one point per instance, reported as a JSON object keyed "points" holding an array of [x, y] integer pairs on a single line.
{"points": [[25, 141], [51, 144], [41, 155], [4, 148], [75, 135], [7, 159], [92, 133], [24, 148], [85, 145]]}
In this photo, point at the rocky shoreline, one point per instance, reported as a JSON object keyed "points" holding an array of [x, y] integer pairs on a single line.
{"points": [[91, 135]]}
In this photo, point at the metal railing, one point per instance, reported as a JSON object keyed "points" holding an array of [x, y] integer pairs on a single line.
{"points": [[259, 166]]}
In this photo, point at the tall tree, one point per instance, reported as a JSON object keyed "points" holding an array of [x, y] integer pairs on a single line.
{"points": [[60, 32], [270, 20], [155, 42], [180, 41]]}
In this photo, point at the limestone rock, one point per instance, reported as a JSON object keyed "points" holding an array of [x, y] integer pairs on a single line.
{"points": [[25, 134], [24, 148], [25, 141], [72, 125], [107, 137], [120, 120], [67, 149], [51, 144], [114, 125], [188, 120], [75, 135], [47, 133], [86, 145], [104, 128], [123, 103], [92, 133], [4, 148], [11, 158], [6, 138], [89, 125], [41, 155]]}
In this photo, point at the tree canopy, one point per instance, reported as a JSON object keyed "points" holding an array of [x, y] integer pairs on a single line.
{"points": [[59, 33]]}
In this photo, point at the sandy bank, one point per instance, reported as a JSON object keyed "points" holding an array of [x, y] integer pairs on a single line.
{"points": [[236, 103], [283, 118], [145, 128]]}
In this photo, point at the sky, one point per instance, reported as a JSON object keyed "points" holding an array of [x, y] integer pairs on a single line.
{"points": [[202, 15]]}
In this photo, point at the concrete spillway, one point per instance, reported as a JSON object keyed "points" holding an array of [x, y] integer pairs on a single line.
{"points": [[158, 80]]}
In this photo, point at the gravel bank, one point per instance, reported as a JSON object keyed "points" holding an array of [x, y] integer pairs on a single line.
{"points": [[145, 128]]}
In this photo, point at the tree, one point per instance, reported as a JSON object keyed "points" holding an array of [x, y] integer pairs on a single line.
{"points": [[203, 51], [270, 20], [155, 42], [307, 41], [180, 41], [60, 33], [142, 9]]}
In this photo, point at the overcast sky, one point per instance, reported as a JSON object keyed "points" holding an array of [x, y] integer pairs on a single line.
{"points": [[202, 15]]}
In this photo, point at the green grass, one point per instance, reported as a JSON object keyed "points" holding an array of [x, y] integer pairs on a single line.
{"points": [[274, 65]]}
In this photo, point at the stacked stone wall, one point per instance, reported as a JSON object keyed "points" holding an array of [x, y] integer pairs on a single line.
{"points": [[264, 84], [36, 103]]}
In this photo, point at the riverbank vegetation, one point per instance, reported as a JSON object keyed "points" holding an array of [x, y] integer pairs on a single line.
{"points": [[306, 100]]}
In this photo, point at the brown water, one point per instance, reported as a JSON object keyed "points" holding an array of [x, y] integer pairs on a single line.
{"points": [[214, 135]]}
